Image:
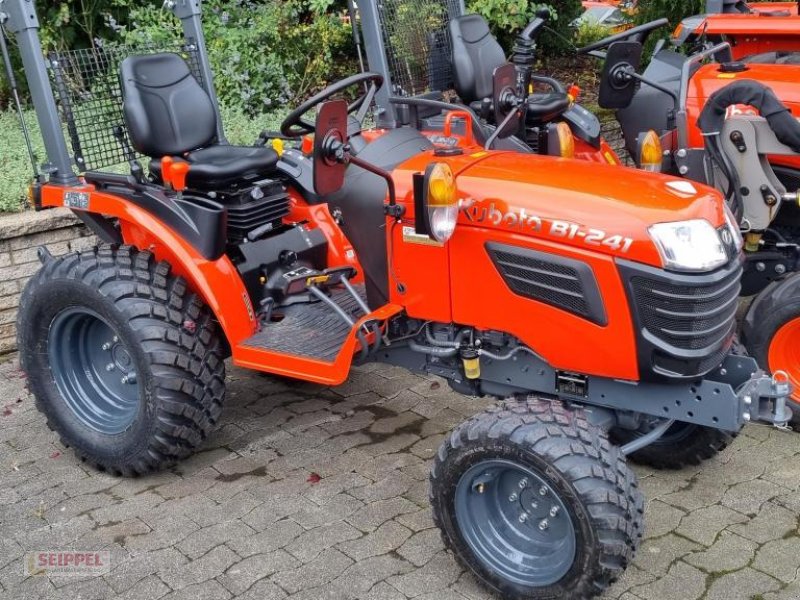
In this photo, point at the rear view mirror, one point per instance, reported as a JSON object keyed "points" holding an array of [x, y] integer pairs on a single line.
{"points": [[504, 99], [617, 87], [330, 138]]}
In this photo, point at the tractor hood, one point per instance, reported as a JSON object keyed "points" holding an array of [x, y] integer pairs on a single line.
{"points": [[586, 205], [782, 79]]}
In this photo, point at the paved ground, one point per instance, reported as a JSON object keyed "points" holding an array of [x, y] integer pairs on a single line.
{"points": [[245, 518]]}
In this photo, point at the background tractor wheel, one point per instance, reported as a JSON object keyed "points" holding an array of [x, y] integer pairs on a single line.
{"points": [[682, 445], [536, 502], [123, 360], [771, 333]]}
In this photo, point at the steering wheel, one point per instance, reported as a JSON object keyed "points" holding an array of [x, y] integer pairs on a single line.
{"points": [[295, 125], [639, 33]]}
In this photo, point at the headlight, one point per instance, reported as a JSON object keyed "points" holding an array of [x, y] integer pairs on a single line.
{"points": [[689, 245], [440, 202]]}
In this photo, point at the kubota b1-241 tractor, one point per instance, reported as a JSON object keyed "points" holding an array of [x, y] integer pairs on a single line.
{"points": [[591, 299]]}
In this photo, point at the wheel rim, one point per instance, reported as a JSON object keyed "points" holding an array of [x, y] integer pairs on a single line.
{"points": [[784, 354], [93, 370], [515, 523]]}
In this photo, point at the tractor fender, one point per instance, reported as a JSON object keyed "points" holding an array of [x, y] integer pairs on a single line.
{"points": [[216, 280]]}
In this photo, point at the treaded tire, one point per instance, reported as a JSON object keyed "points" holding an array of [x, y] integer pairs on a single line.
{"points": [[169, 334], [578, 461], [683, 445]]}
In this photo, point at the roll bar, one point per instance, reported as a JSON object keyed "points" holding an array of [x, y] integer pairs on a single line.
{"points": [[20, 18]]}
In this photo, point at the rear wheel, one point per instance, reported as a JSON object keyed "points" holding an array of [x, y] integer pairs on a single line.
{"points": [[536, 502], [682, 445], [123, 360]]}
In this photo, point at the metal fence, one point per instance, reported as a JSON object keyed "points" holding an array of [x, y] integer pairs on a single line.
{"points": [[89, 98], [417, 41]]}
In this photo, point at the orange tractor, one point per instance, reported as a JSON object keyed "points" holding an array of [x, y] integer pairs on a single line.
{"points": [[758, 32], [592, 300]]}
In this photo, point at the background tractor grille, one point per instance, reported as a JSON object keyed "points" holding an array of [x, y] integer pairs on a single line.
{"points": [[561, 282], [688, 317]]}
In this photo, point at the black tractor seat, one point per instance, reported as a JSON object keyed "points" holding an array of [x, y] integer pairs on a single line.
{"points": [[168, 113]]}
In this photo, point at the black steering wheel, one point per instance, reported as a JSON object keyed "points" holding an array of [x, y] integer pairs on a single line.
{"points": [[295, 126], [639, 33]]}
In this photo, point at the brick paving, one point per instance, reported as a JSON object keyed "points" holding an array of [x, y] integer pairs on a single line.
{"points": [[246, 517]]}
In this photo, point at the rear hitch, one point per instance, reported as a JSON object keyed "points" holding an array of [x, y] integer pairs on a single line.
{"points": [[764, 399]]}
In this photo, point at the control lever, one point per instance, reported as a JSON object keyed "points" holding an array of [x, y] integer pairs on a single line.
{"points": [[178, 175], [166, 171]]}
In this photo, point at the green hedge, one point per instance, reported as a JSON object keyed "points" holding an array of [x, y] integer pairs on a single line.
{"points": [[15, 168]]}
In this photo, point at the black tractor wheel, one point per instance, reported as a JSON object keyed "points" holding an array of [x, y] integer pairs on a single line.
{"points": [[536, 502], [771, 333], [682, 445], [122, 358]]}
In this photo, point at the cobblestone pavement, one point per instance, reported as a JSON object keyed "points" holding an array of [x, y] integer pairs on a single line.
{"points": [[246, 517]]}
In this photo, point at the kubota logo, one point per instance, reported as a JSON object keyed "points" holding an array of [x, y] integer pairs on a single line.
{"points": [[520, 218]]}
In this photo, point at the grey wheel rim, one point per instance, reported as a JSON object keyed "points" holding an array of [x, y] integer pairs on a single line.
{"points": [[515, 523], [93, 370]]}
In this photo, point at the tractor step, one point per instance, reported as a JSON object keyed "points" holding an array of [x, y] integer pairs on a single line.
{"points": [[310, 330]]}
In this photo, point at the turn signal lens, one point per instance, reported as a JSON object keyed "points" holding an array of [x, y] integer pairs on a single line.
{"points": [[651, 154], [566, 141], [441, 201], [307, 146]]}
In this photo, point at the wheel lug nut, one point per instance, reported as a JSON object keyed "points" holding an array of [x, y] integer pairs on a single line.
{"points": [[107, 346], [543, 490], [513, 497], [534, 505], [523, 517], [554, 511], [129, 378], [523, 483], [480, 488], [110, 367], [115, 339], [544, 524]]}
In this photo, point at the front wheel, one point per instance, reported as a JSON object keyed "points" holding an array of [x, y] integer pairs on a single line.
{"points": [[771, 333], [122, 359], [536, 502], [682, 445]]}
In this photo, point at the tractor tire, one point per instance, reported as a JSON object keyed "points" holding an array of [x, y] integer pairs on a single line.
{"points": [[771, 333], [123, 360], [536, 502], [683, 445]]}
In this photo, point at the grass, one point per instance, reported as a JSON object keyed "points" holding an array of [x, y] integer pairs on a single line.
{"points": [[15, 166]]}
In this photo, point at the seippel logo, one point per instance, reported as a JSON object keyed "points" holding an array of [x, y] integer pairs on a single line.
{"points": [[514, 217]]}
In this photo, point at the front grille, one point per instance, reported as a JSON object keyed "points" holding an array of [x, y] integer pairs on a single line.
{"points": [[685, 322], [562, 282], [688, 317]]}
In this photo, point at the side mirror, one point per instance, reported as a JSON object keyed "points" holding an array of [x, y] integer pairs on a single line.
{"points": [[329, 142], [505, 101], [617, 87]]}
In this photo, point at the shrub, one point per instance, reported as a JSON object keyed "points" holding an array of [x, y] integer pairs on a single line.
{"points": [[674, 10], [264, 55], [508, 17]]}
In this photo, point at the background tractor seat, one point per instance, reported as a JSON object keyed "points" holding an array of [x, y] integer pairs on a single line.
{"points": [[168, 113], [476, 54]]}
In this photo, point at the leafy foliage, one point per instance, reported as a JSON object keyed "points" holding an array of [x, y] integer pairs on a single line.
{"points": [[263, 54], [508, 17]]}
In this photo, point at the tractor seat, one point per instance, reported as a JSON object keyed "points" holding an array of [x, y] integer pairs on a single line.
{"points": [[168, 113], [476, 54]]}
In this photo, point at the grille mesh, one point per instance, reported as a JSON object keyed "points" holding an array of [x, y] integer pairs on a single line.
{"points": [[554, 284], [690, 318], [418, 47], [89, 98]]}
